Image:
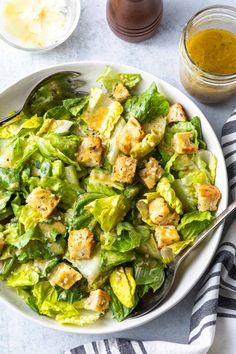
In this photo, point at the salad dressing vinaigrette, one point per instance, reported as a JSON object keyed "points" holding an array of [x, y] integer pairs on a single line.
{"points": [[208, 54], [213, 50]]}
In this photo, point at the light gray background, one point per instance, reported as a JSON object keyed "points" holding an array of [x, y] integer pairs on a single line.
{"points": [[94, 41]]}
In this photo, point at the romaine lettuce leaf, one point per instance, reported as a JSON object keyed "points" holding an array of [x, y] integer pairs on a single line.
{"points": [[150, 248], [151, 140], [89, 268], [102, 113], [29, 217], [74, 294], [38, 250], [123, 285], [4, 197], [148, 271], [119, 311], [206, 160], [61, 126], [6, 266], [167, 192], [147, 106], [10, 178], [28, 298], [49, 305], [111, 78], [178, 128], [21, 122], [126, 237], [113, 146], [111, 259], [44, 266], [100, 181], [193, 223], [186, 193], [24, 275], [15, 237], [57, 112], [197, 124], [76, 105], [16, 151], [49, 147], [77, 217], [168, 253], [108, 211]]}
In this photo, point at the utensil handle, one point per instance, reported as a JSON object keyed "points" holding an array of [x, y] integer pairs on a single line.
{"points": [[6, 119], [205, 233]]}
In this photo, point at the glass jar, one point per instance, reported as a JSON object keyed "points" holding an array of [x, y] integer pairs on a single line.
{"points": [[204, 86]]}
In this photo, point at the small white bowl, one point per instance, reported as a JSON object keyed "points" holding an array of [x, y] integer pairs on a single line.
{"points": [[74, 9]]}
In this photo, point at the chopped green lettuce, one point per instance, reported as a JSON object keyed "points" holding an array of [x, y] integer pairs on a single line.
{"points": [[125, 238], [167, 192], [111, 259], [147, 106], [179, 128], [168, 253], [102, 113], [148, 271], [108, 211], [113, 146], [24, 275], [151, 140], [48, 304], [197, 124], [76, 105], [119, 311], [193, 223], [20, 123], [58, 112], [110, 78], [123, 286]]}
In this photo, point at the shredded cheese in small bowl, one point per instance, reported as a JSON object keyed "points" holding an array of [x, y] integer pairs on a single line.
{"points": [[38, 25]]}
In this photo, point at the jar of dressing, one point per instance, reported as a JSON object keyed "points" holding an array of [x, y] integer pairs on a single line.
{"points": [[208, 54]]}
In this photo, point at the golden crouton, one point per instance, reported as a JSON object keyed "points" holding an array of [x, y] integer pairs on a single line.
{"points": [[90, 152], [176, 114], [161, 214], [166, 235], [131, 135], [208, 197], [98, 301], [64, 276], [151, 173], [182, 143], [43, 201], [80, 244], [124, 169], [120, 92]]}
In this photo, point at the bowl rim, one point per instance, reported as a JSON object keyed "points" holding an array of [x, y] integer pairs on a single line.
{"points": [[64, 38], [129, 323]]}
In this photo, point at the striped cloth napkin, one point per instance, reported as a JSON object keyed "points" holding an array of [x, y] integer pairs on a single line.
{"points": [[212, 326]]}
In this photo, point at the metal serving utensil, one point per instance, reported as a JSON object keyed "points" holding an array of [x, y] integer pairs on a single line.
{"points": [[152, 300], [50, 92]]}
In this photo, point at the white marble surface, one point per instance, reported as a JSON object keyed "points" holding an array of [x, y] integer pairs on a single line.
{"points": [[94, 41]]}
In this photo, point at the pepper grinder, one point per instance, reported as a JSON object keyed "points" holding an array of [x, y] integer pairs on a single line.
{"points": [[134, 20]]}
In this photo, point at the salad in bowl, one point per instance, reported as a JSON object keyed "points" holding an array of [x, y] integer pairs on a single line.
{"points": [[98, 195]]}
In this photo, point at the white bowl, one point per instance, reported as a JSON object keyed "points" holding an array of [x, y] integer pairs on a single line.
{"points": [[74, 9], [194, 266]]}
